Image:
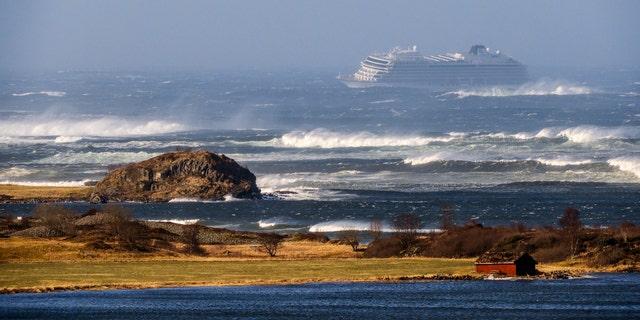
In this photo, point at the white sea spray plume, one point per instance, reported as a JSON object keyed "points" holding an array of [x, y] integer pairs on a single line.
{"points": [[100, 127], [628, 164], [586, 134], [540, 87], [323, 138]]}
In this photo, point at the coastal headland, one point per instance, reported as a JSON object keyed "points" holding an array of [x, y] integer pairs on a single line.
{"points": [[108, 250]]}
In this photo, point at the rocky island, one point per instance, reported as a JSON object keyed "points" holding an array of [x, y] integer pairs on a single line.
{"points": [[180, 174]]}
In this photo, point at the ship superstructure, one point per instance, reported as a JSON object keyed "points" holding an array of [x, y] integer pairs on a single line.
{"points": [[408, 67]]}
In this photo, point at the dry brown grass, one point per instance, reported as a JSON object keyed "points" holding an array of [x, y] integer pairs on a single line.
{"points": [[15, 249], [16, 193], [39, 265]]}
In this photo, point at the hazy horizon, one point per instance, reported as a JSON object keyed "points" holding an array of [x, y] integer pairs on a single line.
{"points": [[76, 34]]}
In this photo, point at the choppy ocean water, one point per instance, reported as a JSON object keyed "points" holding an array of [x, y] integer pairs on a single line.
{"points": [[339, 157], [598, 296]]}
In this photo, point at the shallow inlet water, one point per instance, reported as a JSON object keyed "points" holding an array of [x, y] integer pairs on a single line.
{"points": [[596, 296]]}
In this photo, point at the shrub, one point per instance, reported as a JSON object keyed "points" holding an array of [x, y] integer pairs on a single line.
{"points": [[405, 227], [469, 241], [552, 254], [383, 248], [606, 256], [546, 238], [190, 238], [119, 223], [309, 236], [350, 237], [58, 220], [271, 242]]}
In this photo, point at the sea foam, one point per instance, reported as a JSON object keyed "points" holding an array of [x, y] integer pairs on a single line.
{"points": [[99, 127], [541, 87], [45, 93], [322, 138], [628, 164]]}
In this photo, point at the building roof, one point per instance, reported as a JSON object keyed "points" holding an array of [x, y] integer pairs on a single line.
{"points": [[503, 257]]}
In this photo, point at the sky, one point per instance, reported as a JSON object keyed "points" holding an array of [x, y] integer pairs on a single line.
{"points": [[329, 34]]}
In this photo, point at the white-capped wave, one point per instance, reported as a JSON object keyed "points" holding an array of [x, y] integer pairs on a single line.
{"points": [[230, 198], [585, 134], [107, 157], [564, 161], [188, 199], [33, 177], [45, 93], [383, 101], [358, 225], [341, 225], [539, 88], [100, 127], [15, 172], [78, 183], [628, 164], [178, 221], [322, 138], [266, 224], [273, 182], [300, 186], [437, 157], [274, 222], [67, 139]]}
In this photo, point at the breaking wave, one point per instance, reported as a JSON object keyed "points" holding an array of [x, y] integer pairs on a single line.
{"points": [[107, 157], [438, 157], [322, 138], [539, 88], [69, 129], [80, 183], [627, 164], [586, 134], [58, 94], [358, 225], [341, 225], [178, 221], [327, 139]]}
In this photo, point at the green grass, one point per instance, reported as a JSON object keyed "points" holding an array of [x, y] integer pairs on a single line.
{"points": [[81, 275]]}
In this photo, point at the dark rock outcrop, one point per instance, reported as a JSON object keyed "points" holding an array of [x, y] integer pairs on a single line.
{"points": [[193, 174]]}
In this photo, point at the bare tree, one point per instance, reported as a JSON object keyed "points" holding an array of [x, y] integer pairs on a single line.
{"points": [[571, 224], [120, 225], [58, 220], [190, 238], [406, 228], [271, 242], [625, 228], [447, 215], [350, 237], [375, 228]]}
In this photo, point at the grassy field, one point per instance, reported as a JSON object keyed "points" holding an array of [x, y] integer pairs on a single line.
{"points": [[15, 193], [39, 265], [49, 276]]}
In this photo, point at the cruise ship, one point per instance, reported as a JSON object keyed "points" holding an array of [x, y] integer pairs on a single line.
{"points": [[408, 68]]}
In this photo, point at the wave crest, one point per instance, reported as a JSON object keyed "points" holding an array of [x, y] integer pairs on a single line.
{"points": [[322, 138], [541, 87], [102, 127], [57, 94], [628, 164]]}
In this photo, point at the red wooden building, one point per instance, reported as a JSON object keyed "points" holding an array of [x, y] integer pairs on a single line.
{"points": [[509, 263]]}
